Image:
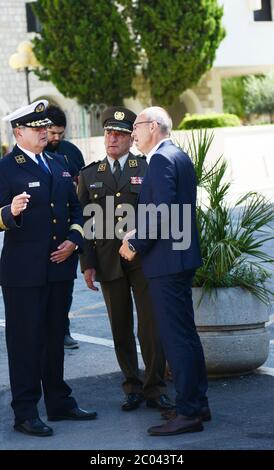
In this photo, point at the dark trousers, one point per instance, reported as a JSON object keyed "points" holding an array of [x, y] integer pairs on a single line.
{"points": [[35, 324], [70, 295], [117, 295], [173, 309]]}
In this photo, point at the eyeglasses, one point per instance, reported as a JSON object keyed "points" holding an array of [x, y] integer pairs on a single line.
{"points": [[142, 122]]}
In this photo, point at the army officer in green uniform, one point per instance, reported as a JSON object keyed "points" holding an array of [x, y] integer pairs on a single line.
{"points": [[120, 175]]}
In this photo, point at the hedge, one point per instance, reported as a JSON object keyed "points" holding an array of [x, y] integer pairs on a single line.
{"points": [[206, 121]]}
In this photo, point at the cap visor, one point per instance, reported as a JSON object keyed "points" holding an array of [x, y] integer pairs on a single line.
{"points": [[117, 128]]}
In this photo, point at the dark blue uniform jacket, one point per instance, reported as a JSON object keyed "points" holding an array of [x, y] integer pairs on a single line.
{"points": [[52, 216]]}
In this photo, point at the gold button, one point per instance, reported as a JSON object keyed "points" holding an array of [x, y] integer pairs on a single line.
{"points": [[119, 206], [54, 237], [68, 220], [52, 205], [94, 242], [120, 218], [67, 204], [118, 194], [54, 221], [95, 196]]}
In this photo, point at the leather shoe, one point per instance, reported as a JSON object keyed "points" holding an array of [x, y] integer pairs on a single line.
{"points": [[205, 414], [132, 401], [75, 414], [70, 343], [34, 427], [180, 424], [162, 402]]}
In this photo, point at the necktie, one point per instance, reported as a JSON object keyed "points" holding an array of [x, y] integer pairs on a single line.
{"points": [[42, 164], [117, 170]]}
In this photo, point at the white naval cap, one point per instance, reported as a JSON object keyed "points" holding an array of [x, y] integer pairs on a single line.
{"points": [[33, 115]]}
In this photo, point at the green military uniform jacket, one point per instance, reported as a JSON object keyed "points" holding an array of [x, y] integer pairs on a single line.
{"points": [[95, 184]]}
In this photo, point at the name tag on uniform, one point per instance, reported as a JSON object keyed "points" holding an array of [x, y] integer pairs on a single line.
{"points": [[136, 179], [97, 184], [66, 174], [34, 184]]}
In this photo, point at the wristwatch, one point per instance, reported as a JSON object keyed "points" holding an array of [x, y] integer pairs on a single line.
{"points": [[131, 247]]}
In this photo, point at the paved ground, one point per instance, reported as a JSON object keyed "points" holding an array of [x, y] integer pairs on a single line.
{"points": [[243, 411]]}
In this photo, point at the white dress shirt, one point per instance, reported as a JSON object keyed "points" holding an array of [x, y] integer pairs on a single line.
{"points": [[122, 160], [32, 156]]}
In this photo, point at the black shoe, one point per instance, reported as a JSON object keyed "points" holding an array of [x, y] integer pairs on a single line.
{"points": [[132, 401], [34, 427], [162, 402], [70, 343], [75, 414], [205, 413]]}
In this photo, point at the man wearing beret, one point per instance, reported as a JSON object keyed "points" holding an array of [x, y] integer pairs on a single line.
{"points": [[118, 177], [42, 219]]}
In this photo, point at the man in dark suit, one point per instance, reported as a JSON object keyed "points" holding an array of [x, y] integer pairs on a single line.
{"points": [[42, 219], [75, 160], [119, 178], [169, 264]]}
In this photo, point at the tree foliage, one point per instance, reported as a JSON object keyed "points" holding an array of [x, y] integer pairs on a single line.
{"points": [[233, 90], [90, 49], [179, 39], [259, 95], [86, 50]]}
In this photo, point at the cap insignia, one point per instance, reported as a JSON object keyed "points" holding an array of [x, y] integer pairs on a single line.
{"points": [[40, 108], [132, 163], [20, 159], [119, 115]]}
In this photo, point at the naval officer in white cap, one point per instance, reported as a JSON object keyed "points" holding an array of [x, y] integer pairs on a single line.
{"points": [[42, 220]]}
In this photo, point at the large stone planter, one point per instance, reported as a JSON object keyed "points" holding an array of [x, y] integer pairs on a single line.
{"points": [[231, 325]]}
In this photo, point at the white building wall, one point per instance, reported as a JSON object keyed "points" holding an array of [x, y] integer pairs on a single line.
{"points": [[248, 43], [13, 93], [13, 30]]}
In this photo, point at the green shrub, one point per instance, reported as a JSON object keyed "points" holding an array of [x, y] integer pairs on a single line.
{"points": [[206, 121]]}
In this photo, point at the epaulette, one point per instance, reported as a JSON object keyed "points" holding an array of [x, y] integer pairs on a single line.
{"points": [[90, 164]]}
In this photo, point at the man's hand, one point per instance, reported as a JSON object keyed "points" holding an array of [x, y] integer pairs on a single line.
{"points": [[125, 252], [19, 203], [63, 252], [89, 275]]}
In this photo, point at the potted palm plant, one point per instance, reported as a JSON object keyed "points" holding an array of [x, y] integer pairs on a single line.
{"points": [[230, 294]]}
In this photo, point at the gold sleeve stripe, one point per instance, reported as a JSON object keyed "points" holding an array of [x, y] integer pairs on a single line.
{"points": [[2, 225], [78, 228]]}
